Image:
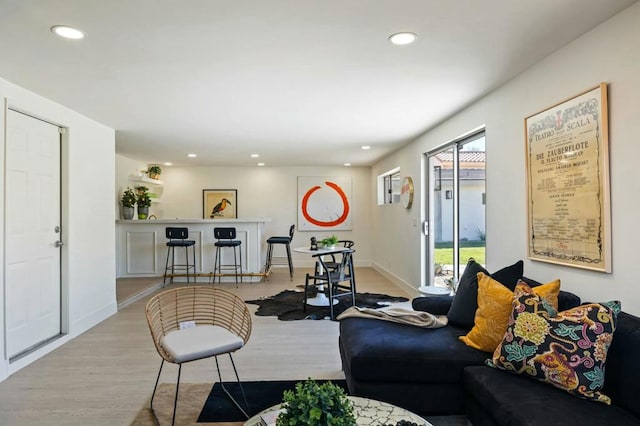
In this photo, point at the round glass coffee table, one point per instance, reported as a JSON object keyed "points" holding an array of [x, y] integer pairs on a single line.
{"points": [[367, 412]]}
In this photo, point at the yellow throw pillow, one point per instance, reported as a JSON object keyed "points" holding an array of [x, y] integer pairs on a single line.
{"points": [[494, 309]]}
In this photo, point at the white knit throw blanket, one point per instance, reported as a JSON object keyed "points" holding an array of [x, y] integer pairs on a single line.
{"points": [[399, 315]]}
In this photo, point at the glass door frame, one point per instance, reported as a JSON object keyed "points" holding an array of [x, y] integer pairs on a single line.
{"points": [[428, 222]]}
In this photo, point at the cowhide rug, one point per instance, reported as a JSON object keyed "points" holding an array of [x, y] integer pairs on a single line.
{"points": [[288, 305]]}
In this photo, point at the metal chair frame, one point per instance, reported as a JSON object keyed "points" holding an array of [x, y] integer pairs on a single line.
{"points": [[226, 238], [206, 306], [287, 243], [178, 238]]}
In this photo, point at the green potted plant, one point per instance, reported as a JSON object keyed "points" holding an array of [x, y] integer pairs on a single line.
{"points": [[314, 404], [329, 242], [128, 202], [154, 171], [144, 201]]}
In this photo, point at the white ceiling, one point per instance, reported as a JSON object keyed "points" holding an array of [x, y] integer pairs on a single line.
{"points": [[300, 82]]}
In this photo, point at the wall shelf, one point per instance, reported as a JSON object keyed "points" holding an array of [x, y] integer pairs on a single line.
{"points": [[156, 186], [145, 179]]}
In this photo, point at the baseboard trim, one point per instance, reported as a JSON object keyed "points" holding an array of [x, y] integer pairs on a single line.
{"points": [[399, 282], [78, 327], [142, 294]]}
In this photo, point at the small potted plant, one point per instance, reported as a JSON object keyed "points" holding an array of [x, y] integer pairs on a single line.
{"points": [[144, 201], [329, 242], [154, 171], [128, 202], [314, 404]]}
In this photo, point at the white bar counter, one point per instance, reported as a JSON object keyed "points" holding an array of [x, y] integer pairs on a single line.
{"points": [[141, 249]]}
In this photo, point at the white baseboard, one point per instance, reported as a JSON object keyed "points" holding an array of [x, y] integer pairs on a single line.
{"points": [[77, 328], [396, 280]]}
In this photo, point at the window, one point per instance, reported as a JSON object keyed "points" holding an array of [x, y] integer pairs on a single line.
{"points": [[389, 186]]}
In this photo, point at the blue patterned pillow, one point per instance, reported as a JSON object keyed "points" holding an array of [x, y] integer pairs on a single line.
{"points": [[566, 349]]}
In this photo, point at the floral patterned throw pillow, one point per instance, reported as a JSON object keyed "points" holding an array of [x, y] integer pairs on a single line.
{"points": [[566, 349]]}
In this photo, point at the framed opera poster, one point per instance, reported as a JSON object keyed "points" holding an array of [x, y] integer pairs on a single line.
{"points": [[324, 203], [568, 203]]}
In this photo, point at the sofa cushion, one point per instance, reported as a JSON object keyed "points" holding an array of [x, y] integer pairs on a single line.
{"points": [[464, 304], [379, 351], [622, 380], [494, 308], [435, 305], [516, 400], [566, 300], [566, 349]]}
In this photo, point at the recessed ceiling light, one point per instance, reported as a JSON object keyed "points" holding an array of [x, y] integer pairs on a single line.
{"points": [[255, 155], [347, 164], [365, 147], [401, 39], [67, 32], [260, 164], [192, 155], [167, 164]]}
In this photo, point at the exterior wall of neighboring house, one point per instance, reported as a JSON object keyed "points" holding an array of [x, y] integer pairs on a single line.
{"points": [[472, 190], [472, 212]]}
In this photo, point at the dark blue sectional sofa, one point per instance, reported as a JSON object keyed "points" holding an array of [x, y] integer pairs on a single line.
{"points": [[431, 372]]}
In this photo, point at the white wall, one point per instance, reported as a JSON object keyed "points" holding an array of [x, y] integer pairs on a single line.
{"points": [[88, 219], [608, 53], [262, 192], [125, 167]]}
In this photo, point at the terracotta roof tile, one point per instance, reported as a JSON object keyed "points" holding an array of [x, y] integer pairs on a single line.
{"points": [[465, 156]]}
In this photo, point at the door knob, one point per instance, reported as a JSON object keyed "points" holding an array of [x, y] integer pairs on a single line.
{"points": [[58, 244]]}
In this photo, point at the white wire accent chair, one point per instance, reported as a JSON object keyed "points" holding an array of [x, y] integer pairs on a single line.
{"points": [[339, 279], [197, 322]]}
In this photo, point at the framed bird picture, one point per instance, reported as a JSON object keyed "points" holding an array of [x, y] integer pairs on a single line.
{"points": [[219, 203]]}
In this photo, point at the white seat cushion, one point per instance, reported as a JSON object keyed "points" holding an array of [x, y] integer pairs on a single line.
{"points": [[199, 342]]}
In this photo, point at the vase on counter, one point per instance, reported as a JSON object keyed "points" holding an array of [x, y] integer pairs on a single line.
{"points": [[127, 213], [143, 212]]}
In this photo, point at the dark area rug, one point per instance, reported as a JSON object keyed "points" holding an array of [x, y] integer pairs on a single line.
{"points": [[287, 305], [260, 396]]}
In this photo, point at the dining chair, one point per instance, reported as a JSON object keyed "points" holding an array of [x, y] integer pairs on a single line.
{"points": [[192, 323], [340, 282], [332, 263]]}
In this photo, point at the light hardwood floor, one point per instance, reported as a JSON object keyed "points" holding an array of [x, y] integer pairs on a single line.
{"points": [[105, 376]]}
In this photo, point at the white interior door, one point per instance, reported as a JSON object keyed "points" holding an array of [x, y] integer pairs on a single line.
{"points": [[32, 230]]}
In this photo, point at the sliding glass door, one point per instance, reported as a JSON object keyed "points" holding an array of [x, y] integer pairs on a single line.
{"points": [[455, 230]]}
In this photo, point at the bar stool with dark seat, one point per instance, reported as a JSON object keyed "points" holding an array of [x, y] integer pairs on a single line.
{"points": [[178, 238], [226, 238], [287, 243]]}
